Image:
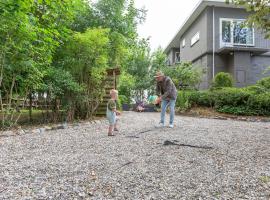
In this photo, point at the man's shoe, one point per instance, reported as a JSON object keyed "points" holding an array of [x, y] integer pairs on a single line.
{"points": [[160, 125], [171, 126]]}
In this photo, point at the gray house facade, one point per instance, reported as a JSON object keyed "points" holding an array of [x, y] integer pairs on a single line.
{"points": [[216, 38]]}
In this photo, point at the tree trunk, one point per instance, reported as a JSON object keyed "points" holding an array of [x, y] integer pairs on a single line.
{"points": [[11, 93], [30, 107]]}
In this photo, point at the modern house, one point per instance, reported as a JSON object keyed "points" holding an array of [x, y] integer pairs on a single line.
{"points": [[215, 37]]}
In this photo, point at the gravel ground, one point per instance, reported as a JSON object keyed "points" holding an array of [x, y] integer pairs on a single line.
{"points": [[225, 160]]}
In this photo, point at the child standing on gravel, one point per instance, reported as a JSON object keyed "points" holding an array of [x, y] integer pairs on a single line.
{"points": [[112, 112]]}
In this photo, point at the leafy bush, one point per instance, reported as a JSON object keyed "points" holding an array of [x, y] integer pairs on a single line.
{"points": [[265, 82], [202, 98], [255, 89], [183, 102], [260, 102], [230, 97], [184, 74], [222, 79], [126, 85], [252, 100], [237, 110], [123, 99]]}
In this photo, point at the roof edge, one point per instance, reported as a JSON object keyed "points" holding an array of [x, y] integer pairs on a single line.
{"points": [[194, 15]]}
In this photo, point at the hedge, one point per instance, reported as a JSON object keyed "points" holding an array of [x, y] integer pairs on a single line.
{"points": [[239, 101]]}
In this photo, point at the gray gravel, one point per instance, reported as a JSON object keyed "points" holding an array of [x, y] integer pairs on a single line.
{"points": [[82, 162]]}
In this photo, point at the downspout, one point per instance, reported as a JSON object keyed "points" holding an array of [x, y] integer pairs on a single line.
{"points": [[214, 43]]}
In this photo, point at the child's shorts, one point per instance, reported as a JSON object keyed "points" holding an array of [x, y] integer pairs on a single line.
{"points": [[111, 116]]}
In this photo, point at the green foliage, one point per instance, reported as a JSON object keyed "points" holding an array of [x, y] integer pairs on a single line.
{"points": [[222, 79], [237, 110], [126, 85], [265, 83], [58, 83], [238, 101], [54, 47], [255, 89], [202, 98], [138, 66], [260, 102], [184, 74], [159, 59], [231, 97], [85, 56], [183, 102]]}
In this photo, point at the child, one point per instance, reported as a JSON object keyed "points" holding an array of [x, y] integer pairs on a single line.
{"points": [[112, 112]]}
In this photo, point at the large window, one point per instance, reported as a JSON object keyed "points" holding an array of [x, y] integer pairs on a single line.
{"points": [[183, 42], [235, 32], [195, 39]]}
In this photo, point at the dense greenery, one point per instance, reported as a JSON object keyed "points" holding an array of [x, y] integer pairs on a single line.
{"points": [[252, 100], [56, 52], [54, 55], [222, 79]]}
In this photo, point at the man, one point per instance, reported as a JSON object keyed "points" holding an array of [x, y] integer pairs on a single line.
{"points": [[167, 93]]}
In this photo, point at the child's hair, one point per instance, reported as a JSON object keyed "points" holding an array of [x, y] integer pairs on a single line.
{"points": [[113, 91]]}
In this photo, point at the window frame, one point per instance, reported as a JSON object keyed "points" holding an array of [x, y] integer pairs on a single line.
{"points": [[175, 57], [183, 42], [231, 43], [195, 38]]}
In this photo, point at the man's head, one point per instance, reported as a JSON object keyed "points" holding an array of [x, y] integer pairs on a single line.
{"points": [[159, 76]]}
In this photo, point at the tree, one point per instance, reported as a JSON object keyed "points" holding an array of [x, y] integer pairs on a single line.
{"points": [[184, 75], [30, 32], [259, 13], [85, 56]]}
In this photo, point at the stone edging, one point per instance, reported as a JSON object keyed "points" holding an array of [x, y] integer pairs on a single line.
{"points": [[44, 129]]}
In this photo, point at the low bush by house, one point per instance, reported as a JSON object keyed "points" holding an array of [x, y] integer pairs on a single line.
{"points": [[251, 100]]}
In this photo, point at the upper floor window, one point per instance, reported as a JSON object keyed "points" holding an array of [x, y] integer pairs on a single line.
{"points": [[235, 32], [183, 42], [195, 38]]}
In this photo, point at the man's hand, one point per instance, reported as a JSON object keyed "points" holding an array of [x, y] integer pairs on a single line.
{"points": [[158, 100]]}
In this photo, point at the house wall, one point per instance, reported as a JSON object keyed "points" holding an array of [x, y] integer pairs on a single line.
{"points": [[171, 55], [258, 66], [232, 13], [189, 53], [246, 69], [202, 63], [242, 64]]}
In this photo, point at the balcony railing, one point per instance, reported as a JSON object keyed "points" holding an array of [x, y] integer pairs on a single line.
{"points": [[257, 44]]}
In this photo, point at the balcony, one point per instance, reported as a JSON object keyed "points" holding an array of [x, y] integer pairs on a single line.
{"points": [[235, 35], [257, 47]]}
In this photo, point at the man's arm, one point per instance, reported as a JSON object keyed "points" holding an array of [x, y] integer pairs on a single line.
{"points": [[158, 90]]}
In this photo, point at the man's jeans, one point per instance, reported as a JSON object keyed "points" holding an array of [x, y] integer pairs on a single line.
{"points": [[164, 105]]}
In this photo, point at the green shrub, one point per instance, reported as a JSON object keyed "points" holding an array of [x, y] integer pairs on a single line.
{"points": [[265, 82], [188, 98], [123, 99], [202, 98], [237, 110], [230, 97], [184, 75], [255, 89], [260, 102], [183, 102], [252, 100], [222, 79]]}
